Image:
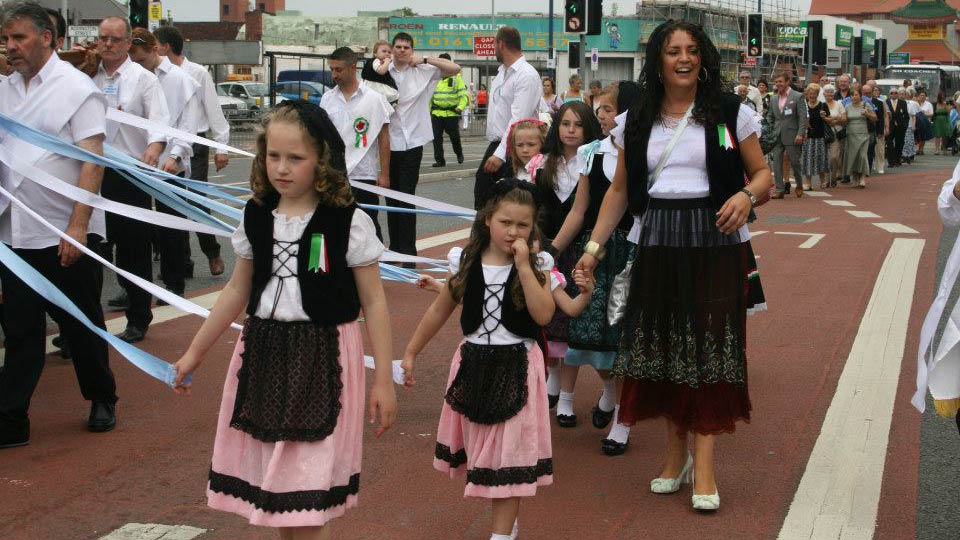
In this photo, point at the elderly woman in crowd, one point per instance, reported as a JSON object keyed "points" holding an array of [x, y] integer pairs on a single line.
{"points": [[814, 155], [913, 108], [835, 148], [856, 117]]}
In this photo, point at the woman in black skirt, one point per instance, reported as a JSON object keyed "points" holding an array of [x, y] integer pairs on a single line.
{"points": [[683, 350]]}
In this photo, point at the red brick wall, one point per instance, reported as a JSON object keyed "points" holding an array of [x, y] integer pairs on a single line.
{"points": [[254, 21]]}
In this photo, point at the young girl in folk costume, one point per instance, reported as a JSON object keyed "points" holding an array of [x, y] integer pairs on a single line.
{"points": [[376, 71], [576, 125], [288, 444], [495, 424], [525, 140], [592, 340]]}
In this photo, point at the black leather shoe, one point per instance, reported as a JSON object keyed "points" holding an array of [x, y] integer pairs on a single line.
{"points": [[132, 334], [567, 421], [61, 343], [438, 164], [16, 435], [121, 301], [103, 417], [460, 160], [552, 400], [600, 417], [611, 447]]}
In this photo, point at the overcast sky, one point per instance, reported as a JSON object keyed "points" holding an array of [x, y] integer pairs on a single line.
{"points": [[206, 10]]}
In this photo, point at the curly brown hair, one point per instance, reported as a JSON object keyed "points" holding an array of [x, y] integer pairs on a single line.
{"points": [[480, 240], [330, 180]]}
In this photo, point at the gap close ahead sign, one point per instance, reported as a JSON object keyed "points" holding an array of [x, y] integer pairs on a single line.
{"points": [[484, 45]]}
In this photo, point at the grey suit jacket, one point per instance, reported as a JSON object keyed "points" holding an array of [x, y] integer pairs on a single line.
{"points": [[792, 120]]}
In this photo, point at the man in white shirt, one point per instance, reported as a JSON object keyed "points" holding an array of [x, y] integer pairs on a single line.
{"points": [[35, 95], [514, 95], [362, 117], [211, 124], [753, 93], [410, 128], [183, 102], [129, 87]]}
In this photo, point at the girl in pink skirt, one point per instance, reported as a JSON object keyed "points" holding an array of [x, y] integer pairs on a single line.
{"points": [[495, 424], [288, 445]]}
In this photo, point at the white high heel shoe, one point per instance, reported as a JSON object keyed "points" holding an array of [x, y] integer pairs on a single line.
{"points": [[672, 485], [707, 503]]}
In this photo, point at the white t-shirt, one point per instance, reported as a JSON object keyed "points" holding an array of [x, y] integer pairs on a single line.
{"points": [[495, 275], [363, 249], [363, 161]]}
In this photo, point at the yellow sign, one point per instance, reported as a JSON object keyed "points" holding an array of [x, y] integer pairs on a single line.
{"points": [[155, 12], [926, 31]]}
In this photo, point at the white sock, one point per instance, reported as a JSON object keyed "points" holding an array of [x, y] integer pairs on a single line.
{"points": [[608, 400], [496, 536], [618, 432], [553, 379], [565, 405]]}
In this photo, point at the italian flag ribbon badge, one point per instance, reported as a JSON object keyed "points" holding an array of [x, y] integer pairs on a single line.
{"points": [[319, 262], [360, 128], [727, 141]]}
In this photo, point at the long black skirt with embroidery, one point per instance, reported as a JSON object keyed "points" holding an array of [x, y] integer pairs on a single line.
{"points": [[683, 348]]}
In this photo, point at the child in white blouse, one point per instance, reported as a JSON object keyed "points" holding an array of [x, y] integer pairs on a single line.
{"points": [[307, 262]]}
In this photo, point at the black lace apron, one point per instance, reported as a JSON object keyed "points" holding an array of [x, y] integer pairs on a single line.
{"points": [[491, 385], [289, 382]]}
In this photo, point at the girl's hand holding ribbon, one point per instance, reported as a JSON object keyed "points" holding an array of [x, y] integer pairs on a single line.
{"points": [[384, 399], [184, 367]]}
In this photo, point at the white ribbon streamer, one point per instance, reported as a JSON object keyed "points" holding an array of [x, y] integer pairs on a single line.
{"points": [[416, 200], [83, 196], [170, 298], [132, 120], [393, 256]]}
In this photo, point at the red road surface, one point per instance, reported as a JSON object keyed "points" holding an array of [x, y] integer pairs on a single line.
{"points": [[70, 484]]}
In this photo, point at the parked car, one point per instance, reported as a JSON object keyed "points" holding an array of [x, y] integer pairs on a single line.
{"points": [[233, 108], [307, 90], [257, 95], [321, 76]]}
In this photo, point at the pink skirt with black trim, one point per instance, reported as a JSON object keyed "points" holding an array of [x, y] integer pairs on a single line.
{"points": [[509, 459], [290, 483]]}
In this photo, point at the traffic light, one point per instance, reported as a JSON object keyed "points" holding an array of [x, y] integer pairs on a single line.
{"points": [[879, 53], [755, 35], [574, 54], [575, 16], [594, 17], [814, 47], [856, 52], [138, 13]]}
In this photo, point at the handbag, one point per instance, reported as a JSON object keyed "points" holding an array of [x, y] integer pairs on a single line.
{"points": [[829, 135], [620, 287]]}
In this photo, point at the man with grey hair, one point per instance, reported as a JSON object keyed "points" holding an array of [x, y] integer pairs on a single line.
{"points": [[753, 93], [35, 95], [843, 90]]}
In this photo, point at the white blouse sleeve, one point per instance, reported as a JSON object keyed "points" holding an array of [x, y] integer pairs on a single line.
{"points": [[617, 133], [241, 245], [453, 257], [747, 123], [363, 247], [546, 264]]}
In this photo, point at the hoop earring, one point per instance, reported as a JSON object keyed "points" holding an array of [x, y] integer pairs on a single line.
{"points": [[705, 73], [660, 76]]}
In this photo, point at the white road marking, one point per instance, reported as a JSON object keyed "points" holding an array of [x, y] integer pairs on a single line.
{"points": [[809, 242], [896, 228], [839, 203], [816, 194], [153, 531], [757, 233], [441, 239], [840, 488], [862, 214]]}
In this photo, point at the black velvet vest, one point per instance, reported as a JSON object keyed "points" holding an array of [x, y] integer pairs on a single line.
{"points": [[724, 166], [599, 184], [552, 212], [515, 320], [330, 297]]}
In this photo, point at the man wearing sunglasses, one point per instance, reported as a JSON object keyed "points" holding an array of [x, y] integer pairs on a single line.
{"points": [[131, 88], [183, 102]]}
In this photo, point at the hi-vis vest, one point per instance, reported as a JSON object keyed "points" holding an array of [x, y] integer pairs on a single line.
{"points": [[449, 95]]}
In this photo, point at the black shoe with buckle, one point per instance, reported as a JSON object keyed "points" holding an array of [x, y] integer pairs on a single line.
{"points": [[611, 447], [103, 417], [600, 417], [567, 421], [12, 436], [132, 334]]}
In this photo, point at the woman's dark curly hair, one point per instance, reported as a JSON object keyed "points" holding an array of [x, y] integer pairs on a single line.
{"points": [[710, 81]]}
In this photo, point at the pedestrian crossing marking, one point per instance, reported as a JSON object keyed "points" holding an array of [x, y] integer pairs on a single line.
{"points": [[154, 531], [896, 228], [839, 203], [862, 214]]}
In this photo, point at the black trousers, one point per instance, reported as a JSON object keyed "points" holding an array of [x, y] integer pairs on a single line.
{"points": [[365, 197], [481, 188], [895, 146], [450, 125], [404, 175], [173, 252], [871, 151], [200, 167], [24, 315], [131, 242]]}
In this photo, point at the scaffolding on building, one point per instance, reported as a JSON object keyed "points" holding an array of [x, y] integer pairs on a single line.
{"points": [[726, 23]]}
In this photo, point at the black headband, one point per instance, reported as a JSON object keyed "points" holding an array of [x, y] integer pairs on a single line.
{"points": [[320, 127], [506, 185]]}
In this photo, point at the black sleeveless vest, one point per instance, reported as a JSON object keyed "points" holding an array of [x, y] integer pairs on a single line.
{"points": [[515, 320], [329, 298], [599, 184], [724, 166]]}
